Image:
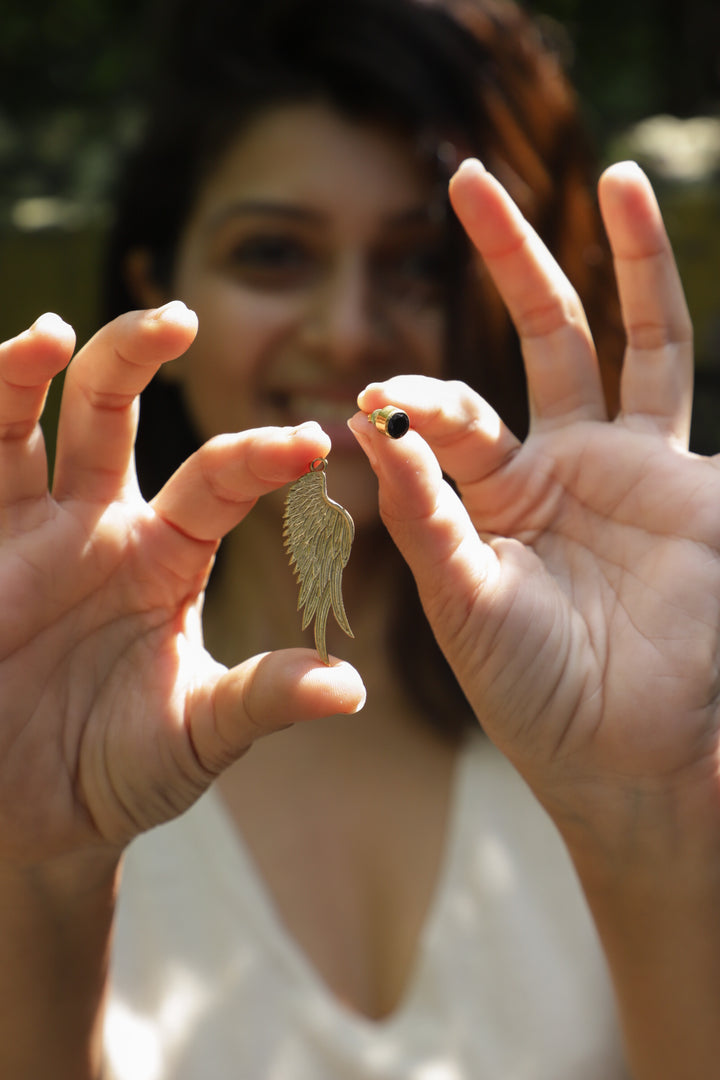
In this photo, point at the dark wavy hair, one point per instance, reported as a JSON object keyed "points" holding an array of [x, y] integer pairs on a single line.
{"points": [[460, 78]]}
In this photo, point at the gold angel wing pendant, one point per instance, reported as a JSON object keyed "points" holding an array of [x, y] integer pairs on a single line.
{"points": [[318, 536]]}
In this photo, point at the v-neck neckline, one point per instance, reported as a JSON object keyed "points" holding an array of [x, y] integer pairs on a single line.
{"points": [[260, 907]]}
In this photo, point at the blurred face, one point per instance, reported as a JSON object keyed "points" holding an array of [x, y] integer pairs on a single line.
{"points": [[313, 260]]}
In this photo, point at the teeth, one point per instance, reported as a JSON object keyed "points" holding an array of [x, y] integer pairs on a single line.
{"points": [[321, 409]]}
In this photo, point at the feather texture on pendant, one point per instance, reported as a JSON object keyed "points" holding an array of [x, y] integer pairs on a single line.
{"points": [[318, 536]]}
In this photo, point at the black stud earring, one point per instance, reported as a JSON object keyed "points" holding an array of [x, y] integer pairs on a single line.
{"points": [[392, 421]]}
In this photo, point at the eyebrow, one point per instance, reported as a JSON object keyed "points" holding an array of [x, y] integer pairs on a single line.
{"points": [[415, 215]]}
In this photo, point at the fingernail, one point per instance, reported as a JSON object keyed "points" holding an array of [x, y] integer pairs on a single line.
{"points": [[370, 389], [50, 321], [470, 165], [175, 311], [629, 164], [356, 696], [360, 705], [306, 427], [360, 428]]}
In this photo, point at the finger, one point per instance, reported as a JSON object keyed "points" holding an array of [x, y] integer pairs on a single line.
{"points": [[27, 364], [430, 526], [562, 371], [468, 437], [220, 483], [657, 375], [479, 597], [265, 694], [98, 415]]}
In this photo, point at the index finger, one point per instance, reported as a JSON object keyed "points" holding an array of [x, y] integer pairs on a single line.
{"points": [[99, 410], [563, 376], [468, 437], [27, 364]]}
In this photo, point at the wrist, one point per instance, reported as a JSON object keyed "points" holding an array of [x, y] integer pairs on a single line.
{"points": [[650, 870], [56, 921], [624, 831], [65, 880]]}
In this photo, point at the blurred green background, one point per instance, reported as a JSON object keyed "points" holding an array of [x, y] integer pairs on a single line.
{"points": [[648, 74]]}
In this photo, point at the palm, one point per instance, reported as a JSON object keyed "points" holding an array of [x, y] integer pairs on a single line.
{"points": [[576, 588], [91, 667], [619, 639], [114, 717]]}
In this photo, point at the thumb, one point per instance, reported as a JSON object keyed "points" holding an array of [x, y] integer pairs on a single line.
{"points": [[453, 567], [267, 693]]}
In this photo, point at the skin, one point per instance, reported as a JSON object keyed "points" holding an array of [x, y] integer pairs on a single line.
{"points": [[578, 601], [312, 261], [588, 557]]}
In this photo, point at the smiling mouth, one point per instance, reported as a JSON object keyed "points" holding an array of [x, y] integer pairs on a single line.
{"points": [[326, 409]]}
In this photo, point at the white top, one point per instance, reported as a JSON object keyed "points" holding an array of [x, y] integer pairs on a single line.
{"points": [[509, 982]]}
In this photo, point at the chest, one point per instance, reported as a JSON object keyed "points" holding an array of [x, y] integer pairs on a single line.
{"points": [[507, 978], [350, 859]]}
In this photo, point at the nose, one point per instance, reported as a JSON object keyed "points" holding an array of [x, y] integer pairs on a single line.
{"points": [[344, 320]]}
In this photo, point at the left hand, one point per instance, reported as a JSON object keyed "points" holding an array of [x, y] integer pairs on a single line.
{"points": [[575, 589]]}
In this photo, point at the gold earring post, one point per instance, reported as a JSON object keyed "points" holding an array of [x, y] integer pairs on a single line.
{"points": [[392, 421]]}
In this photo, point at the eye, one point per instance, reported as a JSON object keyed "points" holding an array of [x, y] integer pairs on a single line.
{"points": [[268, 250], [416, 275], [271, 260]]}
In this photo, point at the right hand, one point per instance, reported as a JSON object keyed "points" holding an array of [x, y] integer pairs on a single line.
{"points": [[113, 716]]}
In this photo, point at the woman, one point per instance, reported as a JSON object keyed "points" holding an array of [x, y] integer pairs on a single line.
{"points": [[374, 895], [451, 80]]}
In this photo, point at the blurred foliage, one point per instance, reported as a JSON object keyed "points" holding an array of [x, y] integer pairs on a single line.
{"points": [[71, 72], [79, 52], [631, 60]]}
